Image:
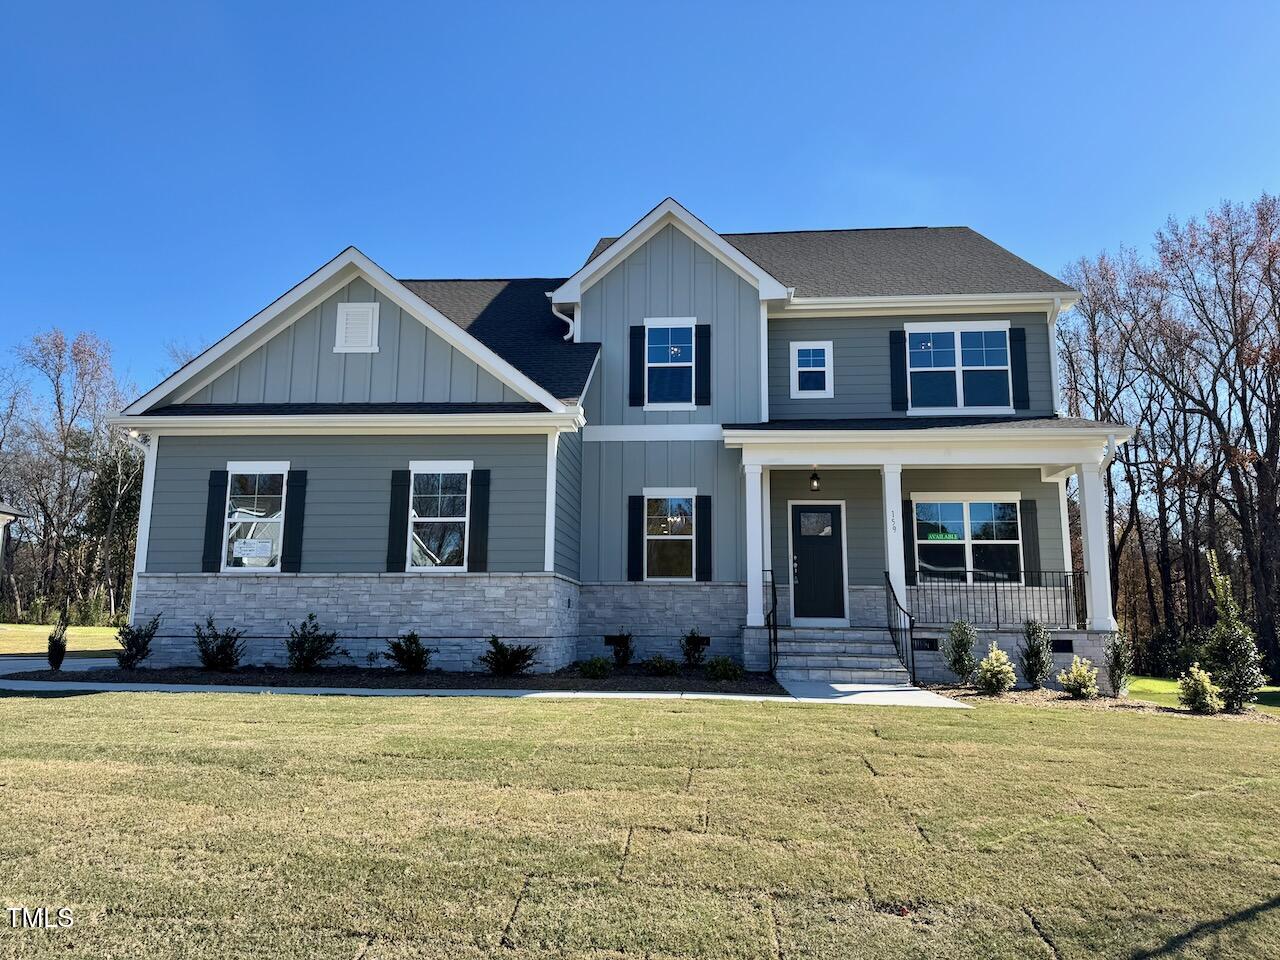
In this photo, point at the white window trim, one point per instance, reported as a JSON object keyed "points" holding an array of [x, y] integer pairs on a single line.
{"points": [[828, 370], [690, 493], [673, 322], [344, 308], [844, 563], [966, 499], [253, 466], [958, 327], [439, 466]]}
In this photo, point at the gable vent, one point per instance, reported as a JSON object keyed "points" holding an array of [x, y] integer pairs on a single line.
{"points": [[357, 328]]}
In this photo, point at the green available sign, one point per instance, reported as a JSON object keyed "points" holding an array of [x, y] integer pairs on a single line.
{"points": [[943, 536]]}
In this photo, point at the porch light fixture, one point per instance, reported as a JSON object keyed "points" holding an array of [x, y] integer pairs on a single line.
{"points": [[815, 482]]}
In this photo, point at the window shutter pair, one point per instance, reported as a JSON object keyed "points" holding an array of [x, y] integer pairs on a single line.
{"points": [[702, 534], [1017, 369], [295, 511], [701, 365], [398, 523]]}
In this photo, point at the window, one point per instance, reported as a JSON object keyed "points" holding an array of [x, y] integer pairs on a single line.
{"points": [[439, 507], [357, 328], [977, 540], [668, 534], [959, 365], [668, 359], [254, 519], [811, 369]]}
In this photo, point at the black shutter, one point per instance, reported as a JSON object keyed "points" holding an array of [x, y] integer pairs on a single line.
{"points": [[1031, 564], [702, 365], [898, 369], [398, 522], [908, 545], [635, 538], [1018, 368], [702, 535], [295, 510], [214, 517], [478, 550], [635, 362]]}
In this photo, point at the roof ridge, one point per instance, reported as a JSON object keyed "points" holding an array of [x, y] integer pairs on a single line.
{"points": [[758, 233]]}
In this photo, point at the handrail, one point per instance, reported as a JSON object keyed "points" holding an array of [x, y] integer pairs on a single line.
{"points": [[1054, 597], [771, 620], [902, 628]]}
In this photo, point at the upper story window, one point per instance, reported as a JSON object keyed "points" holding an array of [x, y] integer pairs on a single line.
{"points": [[974, 538], [439, 511], [811, 369], [668, 534], [357, 328], [959, 365], [668, 373], [253, 529]]}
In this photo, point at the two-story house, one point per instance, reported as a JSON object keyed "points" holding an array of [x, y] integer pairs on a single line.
{"points": [[798, 442]]}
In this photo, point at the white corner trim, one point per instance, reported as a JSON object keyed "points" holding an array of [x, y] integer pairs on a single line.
{"points": [[549, 531], [653, 431], [764, 362], [144, 518], [829, 369], [348, 311], [1053, 356]]}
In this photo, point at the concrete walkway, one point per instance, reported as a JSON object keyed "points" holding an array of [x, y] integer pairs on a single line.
{"points": [[869, 694]]}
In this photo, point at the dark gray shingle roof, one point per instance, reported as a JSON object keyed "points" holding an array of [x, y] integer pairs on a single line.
{"points": [[930, 423], [889, 262]]}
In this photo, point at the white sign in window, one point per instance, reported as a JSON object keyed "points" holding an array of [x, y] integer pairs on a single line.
{"points": [[439, 510], [975, 541], [253, 530]]}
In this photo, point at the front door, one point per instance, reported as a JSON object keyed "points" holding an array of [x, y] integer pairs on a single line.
{"points": [[817, 561]]}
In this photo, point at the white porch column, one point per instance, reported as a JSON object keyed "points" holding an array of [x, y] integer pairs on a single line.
{"points": [[1096, 542], [144, 518], [766, 519], [895, 563], [755, 547]]}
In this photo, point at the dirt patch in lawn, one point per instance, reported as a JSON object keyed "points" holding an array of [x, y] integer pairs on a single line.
{"points": [[1059, 700], [635, 679]]}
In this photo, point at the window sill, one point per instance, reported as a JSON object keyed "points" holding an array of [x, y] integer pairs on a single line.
{"points": [[659, 407], [431, 570], [812, 394], [355, 349], [960, 411], [669, 580], [242, 571]]}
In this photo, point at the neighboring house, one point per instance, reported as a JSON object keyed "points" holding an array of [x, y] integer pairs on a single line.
{"points": [[798, 432], [8, 514]]}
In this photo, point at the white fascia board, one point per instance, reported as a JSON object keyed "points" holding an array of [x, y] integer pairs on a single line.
{"points": [[254, 331], [355, 424], [669, 211], [950, 303], [954, 452]]}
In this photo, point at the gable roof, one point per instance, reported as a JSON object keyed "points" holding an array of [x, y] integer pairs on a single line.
{"points": [[888, 262]]}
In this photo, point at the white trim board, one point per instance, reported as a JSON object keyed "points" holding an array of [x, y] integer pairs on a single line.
{"points": [[353, 424]]}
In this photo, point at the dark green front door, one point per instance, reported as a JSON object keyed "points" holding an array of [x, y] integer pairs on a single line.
{"points": [[817, 563]]}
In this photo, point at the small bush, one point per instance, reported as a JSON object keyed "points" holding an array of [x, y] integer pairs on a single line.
{"points": [[994, 676], [957, 650], [1233, 653], [219, 649], [409, 654], [1035, 655], [135, 643], [308, 646], [622, 649], [1080, 680], [660, 666], [1118, 656], [597, 668], [508, 659], [1197, 691], [724, 668], [57, 651], [693, 647]]}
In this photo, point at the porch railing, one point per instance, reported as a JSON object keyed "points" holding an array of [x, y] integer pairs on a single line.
{"points": [[1054, 597], [771, 617], [901, 628]]}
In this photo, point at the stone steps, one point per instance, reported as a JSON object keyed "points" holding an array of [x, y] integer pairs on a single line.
{"points": [[839, 655]]}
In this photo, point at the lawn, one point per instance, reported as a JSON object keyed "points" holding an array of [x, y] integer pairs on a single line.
{"points": [[33, 640], [1165, 692], [279, 826]]}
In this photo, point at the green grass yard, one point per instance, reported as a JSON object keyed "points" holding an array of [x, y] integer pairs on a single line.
{"points": [[278, 826], [33, 640], [1165, 693]]}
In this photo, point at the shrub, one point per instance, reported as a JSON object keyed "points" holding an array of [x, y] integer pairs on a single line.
{"points": [[1118, 654], [660, 666], [219, 649], [597, 668], [622, 649], [1080, 680], [994, 675], [135, 643], [1035, 655], [724, 668], [408, 653], [508, 659], [1197, 691], [693, 647], [58, 643], [308, 646], [1233, 654], [957, 650]]}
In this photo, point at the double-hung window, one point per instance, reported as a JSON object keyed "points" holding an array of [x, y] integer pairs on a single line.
{"points": [[668, 534], [959, 366], [668, 356], [439, 510], [974, 538], [253, 527], [811, 369]]}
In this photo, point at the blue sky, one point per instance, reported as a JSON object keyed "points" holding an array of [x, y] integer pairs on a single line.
{"points": [[171, 168]]}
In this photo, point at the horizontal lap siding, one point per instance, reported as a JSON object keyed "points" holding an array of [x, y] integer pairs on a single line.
{"points": [[861, 492], [348, 495]]}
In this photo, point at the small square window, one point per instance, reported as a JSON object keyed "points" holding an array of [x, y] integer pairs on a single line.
{"points": [[811, 374]]}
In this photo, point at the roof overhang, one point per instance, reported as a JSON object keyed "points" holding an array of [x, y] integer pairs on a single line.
{"points": [[345, 424], [669, 212], [924, 305]]}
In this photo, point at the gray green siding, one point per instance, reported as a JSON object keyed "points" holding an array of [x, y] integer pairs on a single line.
{"points": [[412, 365], [861, 363], [568, 505], [348, 495]]}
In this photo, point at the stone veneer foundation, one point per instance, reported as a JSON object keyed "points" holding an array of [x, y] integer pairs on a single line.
{"points": [[1089, 644]]}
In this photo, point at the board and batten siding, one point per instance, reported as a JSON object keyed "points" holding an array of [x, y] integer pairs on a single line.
{"points": [[861, 363], [568, 505], [299, 365], [348, 495], [672, 276]]}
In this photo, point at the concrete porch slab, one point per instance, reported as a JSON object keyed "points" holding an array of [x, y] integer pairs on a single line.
{"points": [[868, 694]]}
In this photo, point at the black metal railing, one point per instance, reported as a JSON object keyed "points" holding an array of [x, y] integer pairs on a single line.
{"points": [[1054, 597], [902, 627], [771, 617]]}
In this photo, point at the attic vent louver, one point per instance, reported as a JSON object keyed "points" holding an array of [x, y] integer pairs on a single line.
{"points": [[357, 328]]}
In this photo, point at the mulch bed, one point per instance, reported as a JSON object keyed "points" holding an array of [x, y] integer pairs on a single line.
{"points": [[691, 680], [1058, 699]]}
